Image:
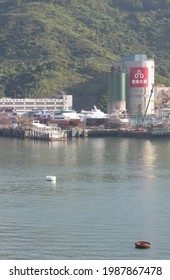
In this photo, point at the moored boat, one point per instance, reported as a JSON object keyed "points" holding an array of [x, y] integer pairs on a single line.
{"points": [[94, 117], [142, 244], [118, 119], [159, 129], [52, 133], [65, 117]]}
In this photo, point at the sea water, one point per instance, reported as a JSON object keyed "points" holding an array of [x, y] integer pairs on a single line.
{"points": [[109, 193]]}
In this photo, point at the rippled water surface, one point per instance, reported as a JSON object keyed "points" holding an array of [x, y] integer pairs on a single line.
{"points": [[109, 193]]}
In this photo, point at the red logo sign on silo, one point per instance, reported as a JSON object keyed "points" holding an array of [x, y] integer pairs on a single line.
{"points": [[139, 77]]}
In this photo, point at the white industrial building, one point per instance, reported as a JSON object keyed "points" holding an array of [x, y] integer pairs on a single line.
{"points": [[22, 105]]}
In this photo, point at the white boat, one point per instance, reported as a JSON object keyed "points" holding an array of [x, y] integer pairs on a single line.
{"points": [[118, 119], [51, 178], [54, 132], [94, 117], [35, 114], [66, 117]]}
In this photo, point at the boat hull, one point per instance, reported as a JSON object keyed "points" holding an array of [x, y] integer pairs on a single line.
{"points": [[64, 122], [95, 121], [142, 245], [145, 134], [57, 138], [111, 123], [50, 133]]}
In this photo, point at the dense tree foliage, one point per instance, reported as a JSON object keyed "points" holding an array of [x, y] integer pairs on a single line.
{"points": [[129, 5], [51, 45]]}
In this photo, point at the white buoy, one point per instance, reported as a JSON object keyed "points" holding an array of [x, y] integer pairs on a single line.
{"points": [[51, 178]]}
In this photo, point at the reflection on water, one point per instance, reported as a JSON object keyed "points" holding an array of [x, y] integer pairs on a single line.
{"points": [[109, 193]]}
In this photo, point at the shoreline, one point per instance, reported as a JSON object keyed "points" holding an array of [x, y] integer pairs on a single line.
{"points": [[28, 133]]}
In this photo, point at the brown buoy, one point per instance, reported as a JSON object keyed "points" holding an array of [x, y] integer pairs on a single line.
{"points": [[142, 244]]}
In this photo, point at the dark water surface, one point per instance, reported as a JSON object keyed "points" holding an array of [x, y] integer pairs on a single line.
{"points": [[109, 193]]}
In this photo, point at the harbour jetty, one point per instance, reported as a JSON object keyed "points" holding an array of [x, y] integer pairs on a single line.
{"points": [[132, 133], [70, 132], [34, 134], [68, 124]]}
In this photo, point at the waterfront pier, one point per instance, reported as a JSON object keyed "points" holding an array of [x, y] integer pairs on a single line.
{"points": [[71, 132], [76, 132]]}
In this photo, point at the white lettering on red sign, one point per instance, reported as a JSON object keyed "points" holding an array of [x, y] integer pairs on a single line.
{"points": [[139, 77]]}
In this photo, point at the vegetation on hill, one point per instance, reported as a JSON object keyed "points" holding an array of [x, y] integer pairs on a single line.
{"points": [[54, 45]]}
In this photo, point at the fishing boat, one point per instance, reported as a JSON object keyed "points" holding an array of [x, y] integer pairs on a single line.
{"points": [[159, 130], [157, 127], [52, 133], [142, 245], [118, 119], [94, 117], [160, 125]]}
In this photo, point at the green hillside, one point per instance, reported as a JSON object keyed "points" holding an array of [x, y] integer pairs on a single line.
{"points": [[54, 45]]}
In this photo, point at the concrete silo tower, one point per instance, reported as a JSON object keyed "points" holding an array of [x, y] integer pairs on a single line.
{"points": [[116, 90], [139, 83], [130, 83]]}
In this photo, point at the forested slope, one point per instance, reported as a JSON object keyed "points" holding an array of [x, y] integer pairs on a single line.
{"points": [[54, 45]]}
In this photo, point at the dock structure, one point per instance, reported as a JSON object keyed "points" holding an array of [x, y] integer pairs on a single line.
{"points": [[11, 132], [103, 132], [74, 132], [24, 133], [32, 134]]}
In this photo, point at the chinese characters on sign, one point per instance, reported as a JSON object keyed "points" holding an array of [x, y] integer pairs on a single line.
{"points": [[139, 77]]}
